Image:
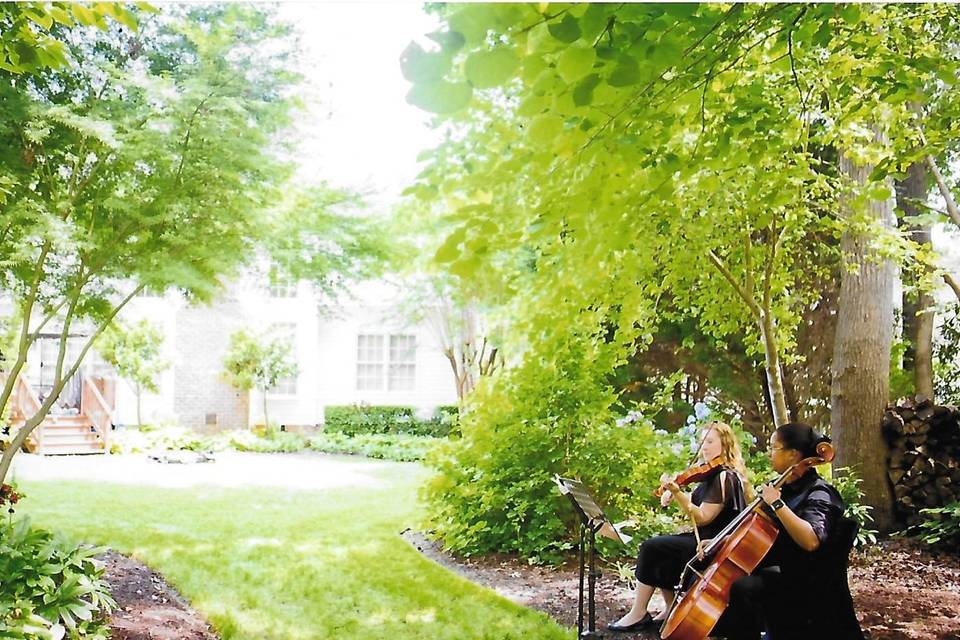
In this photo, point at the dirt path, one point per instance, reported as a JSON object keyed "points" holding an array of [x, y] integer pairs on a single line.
{"points": [[147, 607], [901, 591]]}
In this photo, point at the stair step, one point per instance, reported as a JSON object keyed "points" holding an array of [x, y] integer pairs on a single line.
{"points": [[73, 436], [65, 420], [71, 428], [71, 450]]}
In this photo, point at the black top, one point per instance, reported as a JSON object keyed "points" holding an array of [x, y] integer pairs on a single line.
{"points": [[820, 595], [815, 501], [722, 486]]}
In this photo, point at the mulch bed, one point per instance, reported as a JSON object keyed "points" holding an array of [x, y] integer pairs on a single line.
{"points": [[147, 607], [902, 590]]}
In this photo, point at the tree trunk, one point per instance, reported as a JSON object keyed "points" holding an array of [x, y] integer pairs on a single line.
{"points": [[139, 418], [266, 418], [778, 401], [861, 355], [918, 306]]}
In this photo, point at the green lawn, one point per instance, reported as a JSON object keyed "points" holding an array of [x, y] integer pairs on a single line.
{"points": [[274, 564]]}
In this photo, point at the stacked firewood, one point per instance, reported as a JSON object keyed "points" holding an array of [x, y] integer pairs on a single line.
{"points": [[924, 456]]}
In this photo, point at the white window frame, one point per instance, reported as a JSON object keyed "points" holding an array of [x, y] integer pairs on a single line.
{"points": [[402, 363], [282, 287], [371, 362], [386, 362]]}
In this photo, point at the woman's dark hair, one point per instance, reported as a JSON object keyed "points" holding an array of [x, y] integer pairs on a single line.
{"points": [[801, 437]]}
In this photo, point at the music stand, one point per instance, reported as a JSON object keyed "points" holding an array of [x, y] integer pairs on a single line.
{"points": [[592, 522]]}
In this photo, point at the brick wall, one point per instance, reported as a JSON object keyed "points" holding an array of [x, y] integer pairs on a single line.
{"points": [[202, 400]]}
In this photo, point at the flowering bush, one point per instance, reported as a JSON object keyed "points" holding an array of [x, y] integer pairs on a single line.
{"points": [[8, 497]]}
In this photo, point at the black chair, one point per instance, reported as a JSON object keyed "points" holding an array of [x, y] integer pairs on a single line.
{"points": [[833, 590]]}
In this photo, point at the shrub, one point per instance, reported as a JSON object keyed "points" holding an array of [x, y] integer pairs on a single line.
{"points": [[846, 482], [353, 420], [494, 488], [388, 446], [272, 441], [50, 589], [941, 525], [161, 438]]}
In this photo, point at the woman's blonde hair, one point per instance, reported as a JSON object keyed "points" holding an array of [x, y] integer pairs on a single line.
{"points": [[731, 452]]}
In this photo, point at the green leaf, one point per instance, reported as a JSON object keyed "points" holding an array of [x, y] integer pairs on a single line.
{"points": [[450, 249], [681, 10], [567, 30], [626, 73], [42, 19], [121, 15], [576, 62], [61, 16], [485, 69], [449, 41], [83, 14], [879, 192], [419, 66], [545, 128], [583, 93], [441, 96], [850, 14]]}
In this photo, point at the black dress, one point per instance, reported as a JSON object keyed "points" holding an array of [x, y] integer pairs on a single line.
{"points": [[661, 559], [797, 594]]}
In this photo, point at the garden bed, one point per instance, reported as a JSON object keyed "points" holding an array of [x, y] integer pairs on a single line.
{"points": [[902, 590], [147, 607]]}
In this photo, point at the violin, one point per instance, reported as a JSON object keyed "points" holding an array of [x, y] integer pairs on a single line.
{"points": [[693, 474], [736, 552]]}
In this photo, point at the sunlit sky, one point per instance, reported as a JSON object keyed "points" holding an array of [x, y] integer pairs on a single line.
{"points": [[362, 133]]}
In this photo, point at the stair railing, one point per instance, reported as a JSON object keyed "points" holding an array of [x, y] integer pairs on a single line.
{"points": [[94, 407], [24, 404]]}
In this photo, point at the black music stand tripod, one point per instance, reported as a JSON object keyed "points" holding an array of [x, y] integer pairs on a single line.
{"points": [[592, 522]]}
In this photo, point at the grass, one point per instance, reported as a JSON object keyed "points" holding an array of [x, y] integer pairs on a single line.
{"points": [[276, 564]]}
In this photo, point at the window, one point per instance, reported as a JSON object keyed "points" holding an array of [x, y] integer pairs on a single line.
{"points": [[386, 362], [282, 287], [403, 359], [288, 331], [370, 363]]}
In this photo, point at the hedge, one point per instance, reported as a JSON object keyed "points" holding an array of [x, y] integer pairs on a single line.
{"points": [[354, 420]]}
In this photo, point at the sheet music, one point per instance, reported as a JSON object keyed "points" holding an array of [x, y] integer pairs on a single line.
{"points": [[585, 502]]}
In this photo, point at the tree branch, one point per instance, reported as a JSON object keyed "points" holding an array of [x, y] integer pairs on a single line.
{"points": [[944, 190], [747, 297], [24, 344], [186, 139], [952, 283]]}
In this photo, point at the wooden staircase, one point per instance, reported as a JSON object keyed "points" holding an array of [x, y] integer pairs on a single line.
{"points": [[68, 435], [86, 432]]}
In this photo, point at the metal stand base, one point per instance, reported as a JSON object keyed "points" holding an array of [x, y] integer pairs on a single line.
{"points": [[587, 546]]}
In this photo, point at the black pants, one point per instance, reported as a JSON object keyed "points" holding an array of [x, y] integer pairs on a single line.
{"points": [[788, 609], [661, 559], [755, 600]]}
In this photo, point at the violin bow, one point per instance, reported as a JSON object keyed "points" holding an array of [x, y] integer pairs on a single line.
{"points": [[693, 520]]}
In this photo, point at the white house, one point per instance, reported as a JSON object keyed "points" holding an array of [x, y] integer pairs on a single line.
{"points": [[355, 350]]}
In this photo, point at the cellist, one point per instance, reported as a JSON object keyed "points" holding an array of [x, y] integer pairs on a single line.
{"points": [[713, 504], [796, 593]]}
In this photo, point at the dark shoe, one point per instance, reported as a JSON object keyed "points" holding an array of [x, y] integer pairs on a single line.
{"points": [[639, 625]]}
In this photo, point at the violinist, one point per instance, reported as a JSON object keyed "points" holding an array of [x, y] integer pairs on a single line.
{"points": [[800, 590], [719, 496]]}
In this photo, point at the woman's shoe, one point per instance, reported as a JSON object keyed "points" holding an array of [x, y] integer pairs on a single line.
{"points": [[639, 625]]}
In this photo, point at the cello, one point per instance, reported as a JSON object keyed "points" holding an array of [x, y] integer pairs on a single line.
{"points": [[703, 595]]}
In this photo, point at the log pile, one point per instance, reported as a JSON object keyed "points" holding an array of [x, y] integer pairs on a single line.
{"points": [[923, 461]]}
